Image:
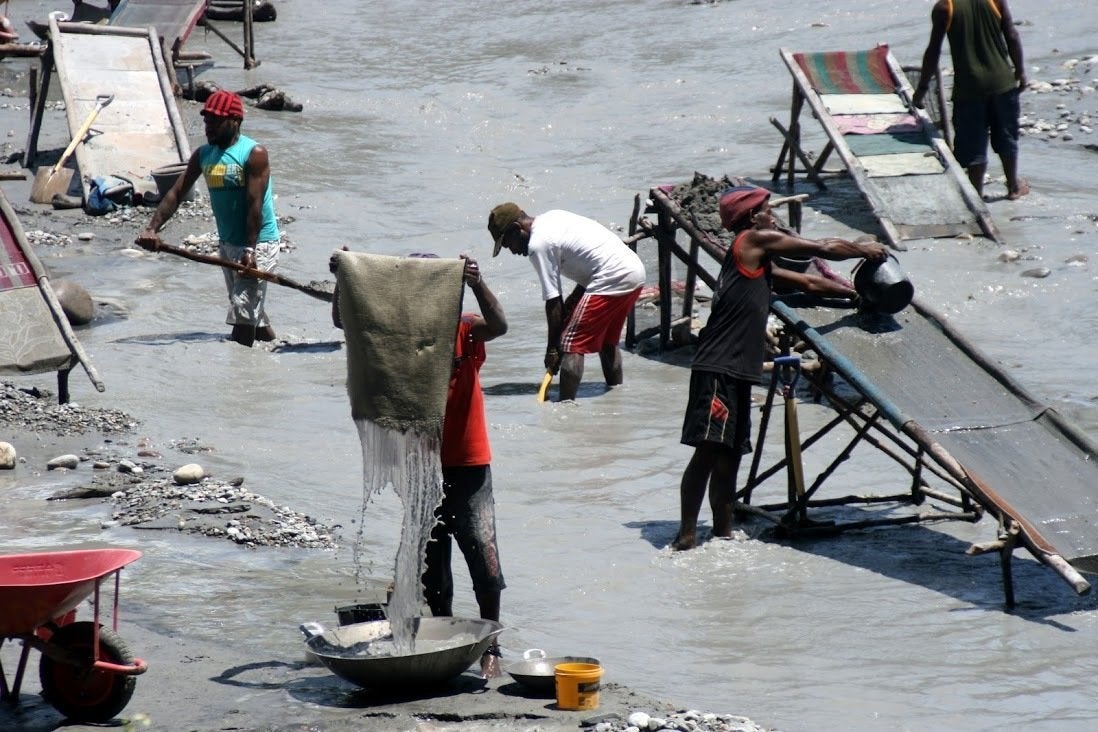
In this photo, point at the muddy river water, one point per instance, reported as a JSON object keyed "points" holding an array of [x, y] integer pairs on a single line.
{"points": [[418, 118]]}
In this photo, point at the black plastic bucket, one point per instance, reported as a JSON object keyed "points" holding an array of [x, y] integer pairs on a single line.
{"points": [[883, 286]]}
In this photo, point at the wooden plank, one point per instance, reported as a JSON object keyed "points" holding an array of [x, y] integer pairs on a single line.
{"points": [[141, 128], [876, 203], [884, 205], [924, 200]]}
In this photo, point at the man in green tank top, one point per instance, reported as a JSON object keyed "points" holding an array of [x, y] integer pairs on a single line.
{"points": [[988, 76]]}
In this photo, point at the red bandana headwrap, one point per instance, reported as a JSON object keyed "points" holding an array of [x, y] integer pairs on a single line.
{"points": [[737, 205]]}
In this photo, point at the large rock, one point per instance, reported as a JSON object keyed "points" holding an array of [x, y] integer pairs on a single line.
{"points": [[188, 474], [75, 302], [63, 461], [7, 456]]}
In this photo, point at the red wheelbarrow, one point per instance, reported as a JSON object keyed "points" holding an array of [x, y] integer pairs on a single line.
{"points": [[87, 672]]}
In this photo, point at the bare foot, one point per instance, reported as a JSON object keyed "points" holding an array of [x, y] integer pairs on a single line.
{"points": [[1021, 188], [684, 542]]}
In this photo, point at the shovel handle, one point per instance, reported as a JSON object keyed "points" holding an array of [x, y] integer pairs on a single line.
{"points": [[100, 101], [789, 368]]}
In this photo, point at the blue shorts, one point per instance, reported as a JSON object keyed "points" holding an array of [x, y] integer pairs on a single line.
{"points": [[977, 120]]}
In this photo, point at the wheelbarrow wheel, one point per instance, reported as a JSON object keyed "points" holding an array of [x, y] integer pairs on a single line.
{"points": [[80, 691]]}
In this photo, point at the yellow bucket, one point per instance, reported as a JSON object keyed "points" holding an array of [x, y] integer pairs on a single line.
{"points": [[577, 685]]}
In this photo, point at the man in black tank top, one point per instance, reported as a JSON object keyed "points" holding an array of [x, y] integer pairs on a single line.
{"points": [[730, 354]]}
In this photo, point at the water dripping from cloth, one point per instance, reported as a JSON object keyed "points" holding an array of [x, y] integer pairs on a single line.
{"points": [[410, 462]]}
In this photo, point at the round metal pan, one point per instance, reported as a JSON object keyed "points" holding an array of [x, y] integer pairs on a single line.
{"points": [[416, 669], [536, 671]]}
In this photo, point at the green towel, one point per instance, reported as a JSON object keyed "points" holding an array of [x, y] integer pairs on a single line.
{"points": [[400, 317]]}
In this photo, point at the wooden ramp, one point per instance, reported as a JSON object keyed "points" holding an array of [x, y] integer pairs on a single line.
{"points": [[141, 129], [951, 405], [36, 337], [967, 439], [173, 19], [892, 150]]}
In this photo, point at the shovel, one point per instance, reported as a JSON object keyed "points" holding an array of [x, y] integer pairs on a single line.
{"points": [[543, 390], [49, 182]]}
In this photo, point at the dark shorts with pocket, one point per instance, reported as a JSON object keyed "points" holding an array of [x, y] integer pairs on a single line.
{"points": [[718, 411]]}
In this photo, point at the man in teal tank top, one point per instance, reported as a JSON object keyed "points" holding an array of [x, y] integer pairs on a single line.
{"points": [[237, 172], [988, 76]]}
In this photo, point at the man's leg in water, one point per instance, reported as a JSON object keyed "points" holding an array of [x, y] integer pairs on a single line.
{"points": [[571, 372], [610, 356], [722, 491], [692, 492]]}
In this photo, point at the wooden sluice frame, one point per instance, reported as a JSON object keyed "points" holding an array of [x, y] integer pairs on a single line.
{"points": [[248, 51], [792, 151], [909, 445]]}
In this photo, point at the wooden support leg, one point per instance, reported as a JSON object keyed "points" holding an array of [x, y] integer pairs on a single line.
{"points": [[682, 333], [38, 108], [631, 320], [776, 171], [665, 237], [664, 254], [249, 37], [809, 168], [1006, 553], [63, 385], [824, 155], [1004, 545]]}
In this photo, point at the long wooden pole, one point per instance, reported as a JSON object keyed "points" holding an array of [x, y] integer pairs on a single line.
{"points": [[317, 292]]}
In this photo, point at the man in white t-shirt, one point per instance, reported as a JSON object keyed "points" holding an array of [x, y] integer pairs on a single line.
{"points": [[608, 276]]}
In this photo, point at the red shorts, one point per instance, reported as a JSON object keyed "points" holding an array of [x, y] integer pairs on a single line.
{"points": [[596, 322]]}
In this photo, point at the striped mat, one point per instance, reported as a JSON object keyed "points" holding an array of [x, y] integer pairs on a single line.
{"points": [[848, 72]]}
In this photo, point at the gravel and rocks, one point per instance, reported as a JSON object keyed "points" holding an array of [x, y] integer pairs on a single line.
{"points": [[1063, 107], [145, 493], [684, 721], [36, 410]]}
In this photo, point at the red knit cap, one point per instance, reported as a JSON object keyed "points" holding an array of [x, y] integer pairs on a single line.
{"points": [[224, 104], [737, 205]]}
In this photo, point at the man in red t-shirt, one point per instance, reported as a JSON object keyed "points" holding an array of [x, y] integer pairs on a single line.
{"points": [[468, 510]]}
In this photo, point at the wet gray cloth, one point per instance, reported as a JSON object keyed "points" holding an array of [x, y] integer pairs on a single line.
{"points": [[400, 318]]}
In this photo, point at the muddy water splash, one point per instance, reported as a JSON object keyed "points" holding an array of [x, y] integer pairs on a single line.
{"points": [[410, 462]]}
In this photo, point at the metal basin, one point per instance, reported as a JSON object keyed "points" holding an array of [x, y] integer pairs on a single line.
{"points": [[537, 672], [422, 668]]}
